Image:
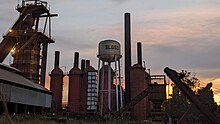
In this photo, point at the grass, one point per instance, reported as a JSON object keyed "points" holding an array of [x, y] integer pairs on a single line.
{"points": [[60, 119], [37, 119]]}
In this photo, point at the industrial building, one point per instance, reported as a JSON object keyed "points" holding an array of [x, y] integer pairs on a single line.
{"points": [[96, 91], [23, 87], [28, 42], [20, 94], [100, 91]]}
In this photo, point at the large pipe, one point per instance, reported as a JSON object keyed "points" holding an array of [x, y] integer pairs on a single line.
{"points": [[57, 58], [127, 56], [102, 88], [76, 59], [116, 84], [198, 102], [87, 63], [109, 86], [83, 64], [139, 53]]}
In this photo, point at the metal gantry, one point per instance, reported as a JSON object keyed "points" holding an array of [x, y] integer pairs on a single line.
{"points": [[29, 44]]}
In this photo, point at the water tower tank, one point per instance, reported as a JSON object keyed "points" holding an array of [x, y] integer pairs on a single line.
{"points": [[108, 50]]}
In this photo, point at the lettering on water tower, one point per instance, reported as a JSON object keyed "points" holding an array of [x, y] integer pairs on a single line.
{"points": [[114, 47]]}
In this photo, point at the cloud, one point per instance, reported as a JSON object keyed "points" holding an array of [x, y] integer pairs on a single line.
{"points": [[179, 34], [120, 1]]}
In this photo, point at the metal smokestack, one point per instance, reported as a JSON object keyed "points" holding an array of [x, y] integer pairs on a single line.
{"points": [[87, 63], [139, 53], [127, 31], [76, 59], [83, 64], [57, 58]]}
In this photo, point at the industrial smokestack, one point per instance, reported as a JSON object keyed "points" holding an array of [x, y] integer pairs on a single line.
{"points": [[82, 64], [57, 59], [127, 31], [87, 63], [139, 53], [76, 59]]}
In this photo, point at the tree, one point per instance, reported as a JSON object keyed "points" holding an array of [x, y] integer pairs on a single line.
{"points": [[179, 104]]}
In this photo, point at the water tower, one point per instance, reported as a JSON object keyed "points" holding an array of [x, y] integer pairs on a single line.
{"points": [[109, 51]]}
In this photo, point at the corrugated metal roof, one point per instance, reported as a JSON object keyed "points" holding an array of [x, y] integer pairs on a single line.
{"points": [[9, 68], [20, 80]]}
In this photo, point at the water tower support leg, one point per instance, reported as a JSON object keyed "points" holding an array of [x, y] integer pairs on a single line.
{"points": [[109, 86], [98, 81], [116, 84], [102, 89], [119, 74]]}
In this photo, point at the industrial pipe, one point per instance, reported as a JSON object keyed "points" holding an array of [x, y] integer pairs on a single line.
{"points": [[76, 59], [57, 58], [139, 53], [127, 56]]}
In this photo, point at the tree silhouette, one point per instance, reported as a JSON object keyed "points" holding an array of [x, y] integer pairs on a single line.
{"points": [[179, 104]]}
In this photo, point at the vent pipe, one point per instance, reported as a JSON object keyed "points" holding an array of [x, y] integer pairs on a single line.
{"points": [[127, 31], [139, 53], [82, 64], [76, 59], [87, 63], [57, 58]]}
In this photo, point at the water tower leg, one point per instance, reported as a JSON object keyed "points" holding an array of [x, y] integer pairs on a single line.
{"points": [[102, 89], [109, 86], [119, 74], [116, 84], [98, 81]]}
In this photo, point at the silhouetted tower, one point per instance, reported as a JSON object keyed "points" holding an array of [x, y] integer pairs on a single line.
{"points": [[89, 90], [74, 86], [56, 82], [29, 45], [127, 31], [139, 53], [139, 80], [109, 51]]}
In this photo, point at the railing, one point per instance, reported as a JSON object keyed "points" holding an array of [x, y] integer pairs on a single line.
{"points": [[14, 33], [32, 2]]}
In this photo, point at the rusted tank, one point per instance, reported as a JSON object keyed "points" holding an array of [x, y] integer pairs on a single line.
{"points": [[56, 83], [74, 86], [139, 81]]}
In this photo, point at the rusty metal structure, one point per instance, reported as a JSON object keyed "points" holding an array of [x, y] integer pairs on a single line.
{"points": [[74, 96], [157, 96], [28, 43], [197, 101], [88, 89], [139, 81], [56, 84]]}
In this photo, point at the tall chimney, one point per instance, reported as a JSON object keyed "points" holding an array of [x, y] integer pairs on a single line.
{"points": [[82, 64], [57, 58], [127, 31], [139, 53], [76, 59], [87, 63]]}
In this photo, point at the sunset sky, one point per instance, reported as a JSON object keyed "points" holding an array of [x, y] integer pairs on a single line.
{"points": [[181, 34]]}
